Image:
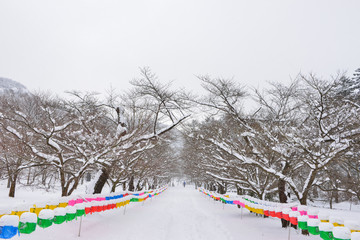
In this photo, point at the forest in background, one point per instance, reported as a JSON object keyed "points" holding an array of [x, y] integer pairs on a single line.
{"points": [[301, 141]]}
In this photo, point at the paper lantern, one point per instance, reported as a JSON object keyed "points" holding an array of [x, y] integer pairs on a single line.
{"points": [[323, 216], [80, 209], [302, 222], [341, 233], [5, 211], [87, 208], [90, 199], [100, 198], [293, 215], [260, 209], [52, 204], [93, 207], [285, 214], [313, 226], [113, 204], [110, 204], [354, 226], [63, 201], [106, 205], [20, 209], [27, 223], [302, 210], [101, 206], [71, 202], [272, 212], [59, 215], [38, 207], [266, 211], [134, 200], [337, 221], [355, 236], [45, 218], [325, 229], [9, 226], [70, 213], [278, 212], [313, 213]]}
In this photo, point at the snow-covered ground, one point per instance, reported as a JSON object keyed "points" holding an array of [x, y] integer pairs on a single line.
{"points": [[177, 214]]}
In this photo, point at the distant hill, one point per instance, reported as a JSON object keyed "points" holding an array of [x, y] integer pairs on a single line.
{"points": [[8, 85]]}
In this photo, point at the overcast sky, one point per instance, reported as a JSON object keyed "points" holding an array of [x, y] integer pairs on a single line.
{"points": [[90, 45]]}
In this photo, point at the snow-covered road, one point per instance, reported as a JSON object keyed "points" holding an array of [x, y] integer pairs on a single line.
{"points": [[177, 214]]}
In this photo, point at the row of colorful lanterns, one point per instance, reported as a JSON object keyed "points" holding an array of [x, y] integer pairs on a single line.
{"points": [[25, 222], [326, 226]]}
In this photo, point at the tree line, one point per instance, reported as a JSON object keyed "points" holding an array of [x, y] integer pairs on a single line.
{"points": [[49, 141], [300, 142]]}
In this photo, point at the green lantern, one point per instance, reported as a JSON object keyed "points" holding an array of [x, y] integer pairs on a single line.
{"points": [[45, 218], [313, 226], [325, 229], [60, 215], [302, 222], [70, 213], [341, 233], [80, 209], [27, 223]]}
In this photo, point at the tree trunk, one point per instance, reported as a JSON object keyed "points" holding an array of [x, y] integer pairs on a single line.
{"points": [[12, 186], [28, 177], [221, 188], [138, 186], [331, 199], [62, 182], [154, 183], [113, 188], [76, 183], [239, 190], [101, 181], [315, 193], [131, 184], [283, 199], [303, 200], [282, 194], [336, 196]]}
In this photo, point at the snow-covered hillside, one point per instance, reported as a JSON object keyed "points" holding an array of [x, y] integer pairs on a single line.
{"points": [[8, 85]]}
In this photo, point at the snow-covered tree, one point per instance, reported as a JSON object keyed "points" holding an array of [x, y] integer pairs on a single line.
{"points": [[151, 109], [298, 130]]}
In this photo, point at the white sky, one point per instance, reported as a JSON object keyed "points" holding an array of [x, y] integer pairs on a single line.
{"points": [[89, 45]]}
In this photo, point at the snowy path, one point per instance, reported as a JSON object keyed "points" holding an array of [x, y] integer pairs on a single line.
{"points": [[178, 213]]}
